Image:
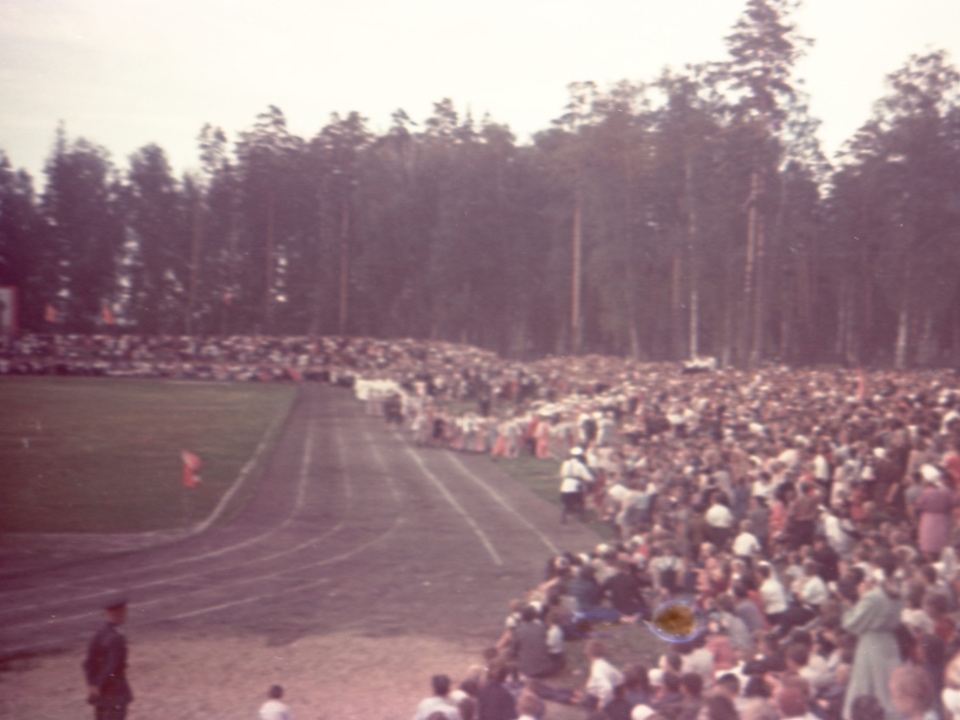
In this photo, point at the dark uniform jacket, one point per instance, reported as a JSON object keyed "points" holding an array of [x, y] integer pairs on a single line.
{"points": [[106, 665]]}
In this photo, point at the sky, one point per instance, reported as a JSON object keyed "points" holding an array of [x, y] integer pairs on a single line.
{"points": [[125, 73]]}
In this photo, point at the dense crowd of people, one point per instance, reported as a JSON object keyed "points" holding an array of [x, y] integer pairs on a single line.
{"points": [[807, 515]]}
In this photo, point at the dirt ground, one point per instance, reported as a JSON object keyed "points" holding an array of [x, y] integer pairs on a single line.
{"points": [[360, 567]]}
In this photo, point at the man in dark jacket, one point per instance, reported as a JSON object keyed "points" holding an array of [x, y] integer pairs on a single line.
{"points": [[106, 666], [530, 646], [495, 701], [624, 590]]}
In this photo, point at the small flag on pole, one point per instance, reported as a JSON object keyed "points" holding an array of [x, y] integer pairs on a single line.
{"points": [[191, 469], [108, 318]]}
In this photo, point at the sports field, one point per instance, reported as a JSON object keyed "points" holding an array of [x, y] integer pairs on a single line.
{"points": [[103, 455]]}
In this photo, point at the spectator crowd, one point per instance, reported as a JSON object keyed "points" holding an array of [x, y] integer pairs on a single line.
{"points": [[808, 516]]}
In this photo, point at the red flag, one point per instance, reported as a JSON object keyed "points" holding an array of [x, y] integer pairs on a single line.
{"points": [[50, 314], [108, 318], [191, 469], [227, 298]]}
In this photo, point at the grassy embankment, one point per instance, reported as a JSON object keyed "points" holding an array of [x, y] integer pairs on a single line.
{"points": [[103, 455]]}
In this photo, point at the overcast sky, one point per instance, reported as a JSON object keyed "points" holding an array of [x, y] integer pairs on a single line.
{"points": [[124, 73]]}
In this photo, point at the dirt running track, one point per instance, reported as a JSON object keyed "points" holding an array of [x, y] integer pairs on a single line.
{"points": [[360, 565]]}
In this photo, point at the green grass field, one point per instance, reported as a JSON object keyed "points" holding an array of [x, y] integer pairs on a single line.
{"points": [[103, 455]]}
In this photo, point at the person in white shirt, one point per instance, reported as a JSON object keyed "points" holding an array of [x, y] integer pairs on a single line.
{"points": [[604, 677], [575, 480], [813, 590], [720, 521], [746, 545], [772, 594], [274, 708], [439, 701]]}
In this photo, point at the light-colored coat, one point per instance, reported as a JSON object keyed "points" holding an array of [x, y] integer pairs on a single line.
{"points": [[873, 620]]}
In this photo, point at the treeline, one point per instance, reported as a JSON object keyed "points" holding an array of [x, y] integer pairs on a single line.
{"points": [[690, 215]]}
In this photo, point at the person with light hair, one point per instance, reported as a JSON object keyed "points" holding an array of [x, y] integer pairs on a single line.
{"points": [[913, 694], [950, 695], [604, 677]]}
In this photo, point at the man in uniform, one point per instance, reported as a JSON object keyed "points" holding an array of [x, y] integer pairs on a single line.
{"points": [[575, 480], [106, 665]]}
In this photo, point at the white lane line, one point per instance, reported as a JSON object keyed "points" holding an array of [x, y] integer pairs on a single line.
{"points": [[503, 503], [238, 483], [398, 520], [304, 476], [183, 560], [458, 507]]}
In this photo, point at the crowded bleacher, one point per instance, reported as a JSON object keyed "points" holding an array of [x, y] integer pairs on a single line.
{"points": [[808, 515]]}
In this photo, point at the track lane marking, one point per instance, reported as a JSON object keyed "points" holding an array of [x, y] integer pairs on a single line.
{"points": [[305, 471], [494, 555], [503, 503]]}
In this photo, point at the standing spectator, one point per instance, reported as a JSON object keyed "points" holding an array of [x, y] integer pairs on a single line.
{"points": [[274, 708], [827, 559], [803, 512], [772, 593], [720, 521], [575, 481], [439, 702], [106, 665], [759, 516], [747, 610], [746, 545], [933, 505], [874, 620]]}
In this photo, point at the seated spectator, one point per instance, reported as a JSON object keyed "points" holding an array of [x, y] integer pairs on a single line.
{"points": [[624, 590], [274, 708], [604, 678], [529, 646], [439, 702], [494, 701], [529, 707]]}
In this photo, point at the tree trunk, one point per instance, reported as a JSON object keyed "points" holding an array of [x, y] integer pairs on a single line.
{"points": [[694, 263], [756, 350], [676, 316], [900, 349], [749, 271], [576, 335], [271, 263], [194, 262], [344, 265]]}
